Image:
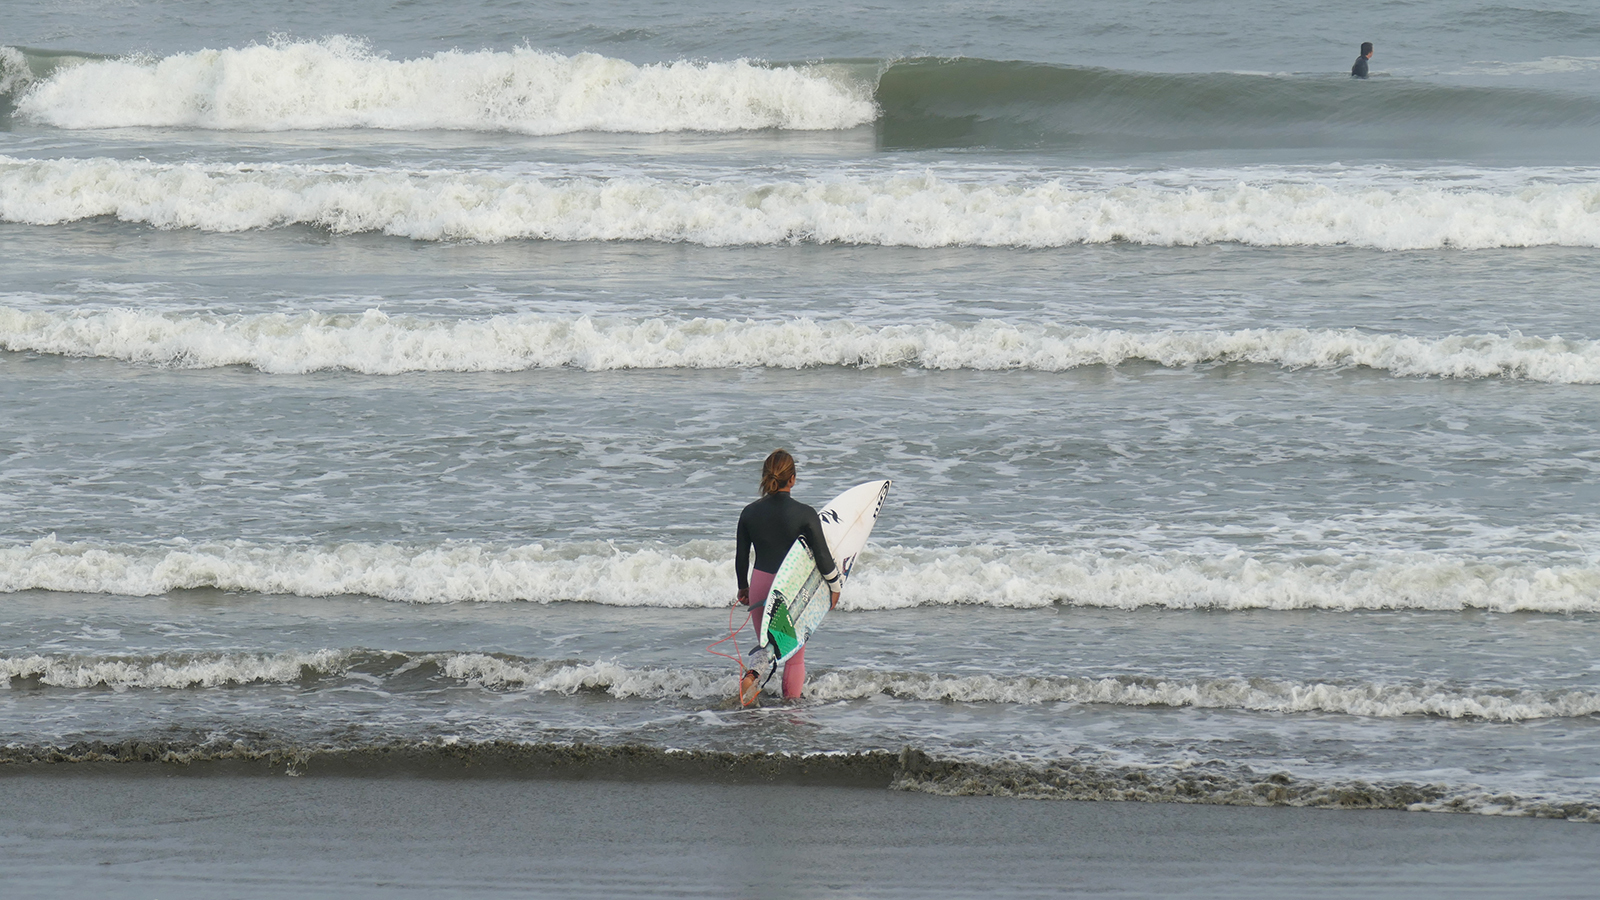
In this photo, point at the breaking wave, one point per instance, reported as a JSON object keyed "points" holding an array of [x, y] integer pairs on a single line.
{"points": [[1254, 694], [15, 73], [377, 344], [978, 102], [913, 209], [920, 102], [188, 670], [698, 575], [499, 671], [341, 83], [911, 769]]}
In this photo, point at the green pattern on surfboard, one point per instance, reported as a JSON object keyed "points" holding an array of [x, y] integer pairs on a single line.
{"points": [[780, 630], [793, 590]]}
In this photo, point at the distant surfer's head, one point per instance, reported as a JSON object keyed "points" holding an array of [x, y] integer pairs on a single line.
{"points": [[1366, 48], [777, 473]]}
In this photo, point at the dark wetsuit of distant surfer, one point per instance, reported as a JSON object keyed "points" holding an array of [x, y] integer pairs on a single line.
{"points": [[1359, 70], [770, 526]]}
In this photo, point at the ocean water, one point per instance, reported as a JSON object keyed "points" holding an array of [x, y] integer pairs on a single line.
{"points": [[388, 376]]}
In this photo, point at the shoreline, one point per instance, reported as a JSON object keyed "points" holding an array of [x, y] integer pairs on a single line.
{"points": [[909, 771]]}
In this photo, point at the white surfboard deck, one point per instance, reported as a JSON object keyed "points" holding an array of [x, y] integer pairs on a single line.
{"points": [[799, 598]]}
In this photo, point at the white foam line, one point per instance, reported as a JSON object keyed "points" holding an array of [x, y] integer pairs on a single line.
{"points": [[376, 344], [197, 670], [1254, 694], [699, 575], [1382, 700], [609, 676], [1549, 65], [340, 83], [914, 209]]}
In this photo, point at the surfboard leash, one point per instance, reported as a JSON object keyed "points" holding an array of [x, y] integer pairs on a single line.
{"points": [[738, 655], [733, 637]]}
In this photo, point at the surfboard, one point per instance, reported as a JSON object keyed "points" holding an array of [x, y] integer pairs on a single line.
{"points": [[799, 598]]}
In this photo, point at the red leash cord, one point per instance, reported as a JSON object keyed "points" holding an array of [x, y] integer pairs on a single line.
{"points": [[733, 635], [750, 681]]}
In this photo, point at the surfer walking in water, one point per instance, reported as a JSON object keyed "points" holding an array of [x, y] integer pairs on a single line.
{"points": [[1359, 70], [770, 526]]}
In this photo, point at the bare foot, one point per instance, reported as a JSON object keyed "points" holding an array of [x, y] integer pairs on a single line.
{"points": [[749, 687]]}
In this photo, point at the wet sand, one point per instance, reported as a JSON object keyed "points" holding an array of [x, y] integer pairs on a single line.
{"points": [[144, 833]]}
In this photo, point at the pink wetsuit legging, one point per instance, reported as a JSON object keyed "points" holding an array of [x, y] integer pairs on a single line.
{"points": [[794, 671]]}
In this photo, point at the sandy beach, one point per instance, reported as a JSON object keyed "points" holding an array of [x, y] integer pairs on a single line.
{"points": [[157, 832]]}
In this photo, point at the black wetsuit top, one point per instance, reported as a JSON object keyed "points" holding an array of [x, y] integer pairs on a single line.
{"points": [[1359, 70], [771, 525]]}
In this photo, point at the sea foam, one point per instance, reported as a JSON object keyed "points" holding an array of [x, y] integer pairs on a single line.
{"points": [[1241, 693], [899, 208], [622, 681], [378, 344], [340, 83], [699, 574], [173, 671], [15, 73]]}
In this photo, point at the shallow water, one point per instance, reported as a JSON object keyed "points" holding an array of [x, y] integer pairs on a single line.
{"points": [[393, 374]]}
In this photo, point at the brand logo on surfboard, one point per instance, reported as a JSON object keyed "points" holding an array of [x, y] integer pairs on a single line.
{"points": [[796, 603]]}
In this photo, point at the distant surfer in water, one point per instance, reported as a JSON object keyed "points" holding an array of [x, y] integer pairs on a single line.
{"points": [[1359, 70], [771, 525]]}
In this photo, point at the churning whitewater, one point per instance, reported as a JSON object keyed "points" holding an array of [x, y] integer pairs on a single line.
{"points": [[375, 343], [340, 83], [915, 207], [210, 670], [694, 576], [382, 388]]}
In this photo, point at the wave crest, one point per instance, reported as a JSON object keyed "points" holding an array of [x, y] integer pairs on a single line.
{"points": [[699, 575], [917, 102], [376, 344], [499, 671], [173, 671], [15, 73], [340, 83], [931, 102], [908, 209], [1437, 699]]}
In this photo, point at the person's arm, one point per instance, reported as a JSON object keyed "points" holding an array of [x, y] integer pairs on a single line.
{"points": [[741, 561]]}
